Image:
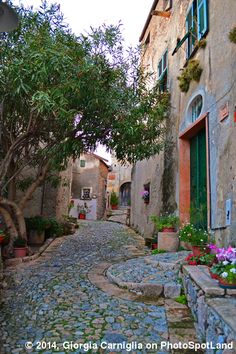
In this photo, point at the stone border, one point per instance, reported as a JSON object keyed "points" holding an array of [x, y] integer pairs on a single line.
{"points": [[213, 309], [15, 261]]}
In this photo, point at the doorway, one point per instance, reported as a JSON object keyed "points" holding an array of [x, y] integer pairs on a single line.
{"points": [[125, 194], [198, 180]]}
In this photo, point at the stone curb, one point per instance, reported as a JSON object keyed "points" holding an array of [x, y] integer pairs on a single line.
{"points": [[15, 261], [151, 290]]}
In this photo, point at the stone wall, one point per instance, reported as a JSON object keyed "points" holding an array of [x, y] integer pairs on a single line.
{"points": [[213, 308], [102, 183]]}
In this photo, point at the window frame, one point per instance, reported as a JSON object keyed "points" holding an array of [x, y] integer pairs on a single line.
{"points": [[193, 28], [164, 70]]}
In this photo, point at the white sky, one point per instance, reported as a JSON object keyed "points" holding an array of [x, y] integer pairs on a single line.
{"points": [[81, 14]]}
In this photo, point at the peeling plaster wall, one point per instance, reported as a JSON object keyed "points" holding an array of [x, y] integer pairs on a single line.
{"points": [[218, 87]]}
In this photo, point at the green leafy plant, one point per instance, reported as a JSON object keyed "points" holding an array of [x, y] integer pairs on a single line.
{"points": [[202, 43], [229, 273], [193, 71], [232, 35], [196, 237], [158, 251], [19, 242], [207, 259], [217, 268], [38, 223], [165, 221], [54, 228], [182, 299], [114, 200]]}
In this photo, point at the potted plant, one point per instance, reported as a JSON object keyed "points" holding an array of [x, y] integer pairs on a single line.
{"points": [[227, 267], [166, 225], [36, 227], [114, 201], [19, 247], [196, 237], [83, 210]]}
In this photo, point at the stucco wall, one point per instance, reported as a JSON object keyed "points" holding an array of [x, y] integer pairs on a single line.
{"points": [[92, 175], [217, 86]]}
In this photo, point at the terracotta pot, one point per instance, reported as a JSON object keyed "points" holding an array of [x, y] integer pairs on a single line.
{"points": [[168, 229], [20, 252], [225, 284], [197, 251], [154, 246], [2, 239], [114, 207], [168, 241], [146, 201], [82, 216], [213, 275]]}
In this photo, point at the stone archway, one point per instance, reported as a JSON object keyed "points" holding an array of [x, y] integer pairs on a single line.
{"points": [[125, 194]]}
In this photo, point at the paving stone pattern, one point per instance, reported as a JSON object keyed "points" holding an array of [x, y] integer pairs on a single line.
{"points": [[51, 299]]}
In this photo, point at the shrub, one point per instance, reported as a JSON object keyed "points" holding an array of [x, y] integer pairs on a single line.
{"points": [[114, 200], [38, 223], [54, 229], [19, 242]]}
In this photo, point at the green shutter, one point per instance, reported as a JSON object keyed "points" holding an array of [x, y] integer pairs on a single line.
{"points": [[202, 14]]}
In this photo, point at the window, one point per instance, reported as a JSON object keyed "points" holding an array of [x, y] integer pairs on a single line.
{"points": [[195, 108], [82, 163], [162, 72], [86, 193], [196, 24]]}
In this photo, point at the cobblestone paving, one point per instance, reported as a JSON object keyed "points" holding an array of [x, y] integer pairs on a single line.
{"points": [[52, 300], [146, 270]]}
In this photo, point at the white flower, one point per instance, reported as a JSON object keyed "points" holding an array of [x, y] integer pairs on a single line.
{"points": [[225, 262], [224, 275], [233, 270], [233, 261]]}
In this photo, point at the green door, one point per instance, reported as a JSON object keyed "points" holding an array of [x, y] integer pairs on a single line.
{"points": [[198, 180]]}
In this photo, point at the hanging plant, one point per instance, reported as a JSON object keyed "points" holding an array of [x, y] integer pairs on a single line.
{"points": [[192, 72], [232, 35], [202, 43]]}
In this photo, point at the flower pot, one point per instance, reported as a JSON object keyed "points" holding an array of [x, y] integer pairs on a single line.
{"points": [[82, 216], [168, 241], [146, 201], [154, 246], [225, 284], [36, 237], [168, 229], [213, 275], [114, 207], [2, 239], [19, 252], [199, 250]]}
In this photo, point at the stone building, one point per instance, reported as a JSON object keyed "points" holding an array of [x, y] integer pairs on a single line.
{"points": [[196, 174], [89, 182], [119, 181]]}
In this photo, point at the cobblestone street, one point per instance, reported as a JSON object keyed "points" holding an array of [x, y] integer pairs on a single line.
{"points": [[52, 299]]}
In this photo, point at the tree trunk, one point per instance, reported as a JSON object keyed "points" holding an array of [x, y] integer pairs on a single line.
{"points": [[11, 228], [18, 215], [29, 192]]}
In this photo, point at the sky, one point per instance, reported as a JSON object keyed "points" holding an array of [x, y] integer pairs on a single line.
{"points": [[82, 14]]}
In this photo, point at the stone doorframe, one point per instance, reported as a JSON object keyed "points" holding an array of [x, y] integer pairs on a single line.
{"points": [[184, 167]]}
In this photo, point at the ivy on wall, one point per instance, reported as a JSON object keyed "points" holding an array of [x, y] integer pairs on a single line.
{"points": [[232, 35]]}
